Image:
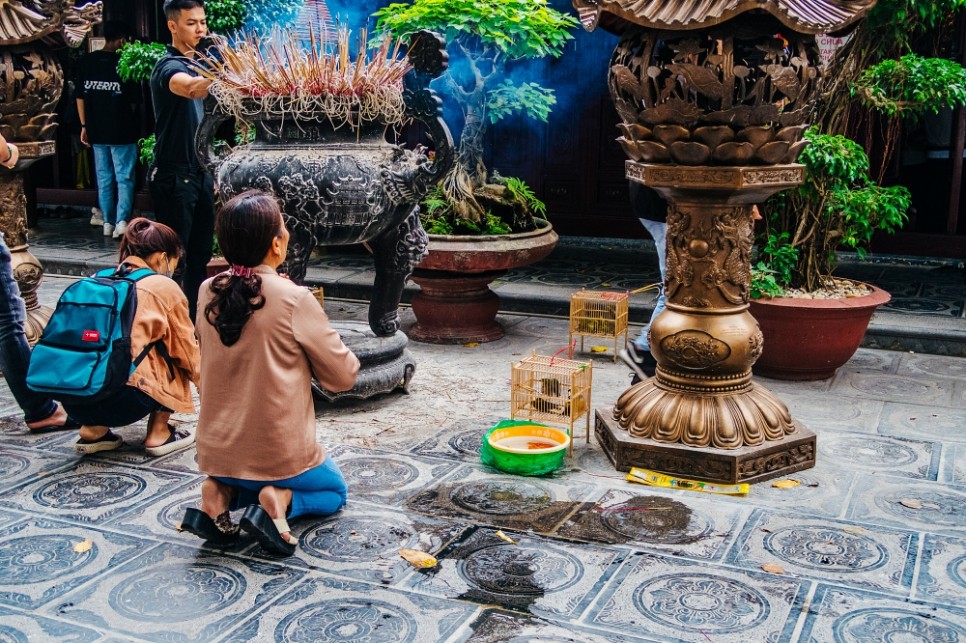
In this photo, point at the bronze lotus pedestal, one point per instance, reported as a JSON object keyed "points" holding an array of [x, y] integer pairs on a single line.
{"points": [[702, 416]]}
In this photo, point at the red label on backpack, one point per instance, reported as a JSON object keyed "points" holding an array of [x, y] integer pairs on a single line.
{"points": [[91, 336]]}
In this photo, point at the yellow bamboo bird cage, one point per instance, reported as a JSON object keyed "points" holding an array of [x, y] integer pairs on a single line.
{"points": [[551, 390], [595, 313]]}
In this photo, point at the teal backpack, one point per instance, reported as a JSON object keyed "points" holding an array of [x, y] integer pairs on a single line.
{"points": [[84, 354]]}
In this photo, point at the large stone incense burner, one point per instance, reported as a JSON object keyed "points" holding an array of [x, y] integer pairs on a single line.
{"points": [[31, 82], [343, 185], [714, 99]]}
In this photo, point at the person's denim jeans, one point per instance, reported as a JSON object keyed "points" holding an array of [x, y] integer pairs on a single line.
{"points": [[14, 350], [115, 180], [658, 231], [320, 491]]}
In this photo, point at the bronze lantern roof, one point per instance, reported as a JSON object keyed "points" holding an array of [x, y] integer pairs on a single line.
{"points": [[803, 16]]}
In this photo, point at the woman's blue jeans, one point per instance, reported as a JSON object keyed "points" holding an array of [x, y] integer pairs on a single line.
{"points": [[14, 350], [320, 491], [658, 231]]}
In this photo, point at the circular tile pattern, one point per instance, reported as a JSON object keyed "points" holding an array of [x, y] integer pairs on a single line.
{"points": [[377, 474], [892, 386], [171, 515], [521, 569], [701, 603], [826, 549], [957, 570], [938, 365], [467, 442], [92, 489], [357, 539], [41, 558], [10, 635], [11, 465], [502, 498], [656, 519], [943, 508], [868, 451], [347, 619], [874, 625], [177, 592]]}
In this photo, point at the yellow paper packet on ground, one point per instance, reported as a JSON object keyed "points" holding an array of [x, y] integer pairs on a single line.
{"points": [[655, 479]]}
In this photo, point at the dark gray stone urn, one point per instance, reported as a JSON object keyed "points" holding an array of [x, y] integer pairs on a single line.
{"points": [[344, 185]]}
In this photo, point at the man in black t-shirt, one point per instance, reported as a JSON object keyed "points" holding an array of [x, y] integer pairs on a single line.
{"points": [[182, 191], [107, 109]]}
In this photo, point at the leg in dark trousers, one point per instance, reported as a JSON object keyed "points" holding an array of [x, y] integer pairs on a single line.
{"points": [[184, 200]]}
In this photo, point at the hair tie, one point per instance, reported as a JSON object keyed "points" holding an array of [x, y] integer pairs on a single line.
{"points": [[238, 270]]}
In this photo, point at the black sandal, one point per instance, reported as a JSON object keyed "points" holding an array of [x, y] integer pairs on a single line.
{"points": [[69, 425], [259, 524], [220, 531]]}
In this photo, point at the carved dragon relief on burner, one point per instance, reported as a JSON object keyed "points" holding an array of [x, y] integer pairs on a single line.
{"points": [[715, 250]]}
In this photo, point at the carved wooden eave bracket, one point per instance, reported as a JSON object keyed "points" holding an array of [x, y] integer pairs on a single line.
{"points": [[802, 16], [57, 22]]}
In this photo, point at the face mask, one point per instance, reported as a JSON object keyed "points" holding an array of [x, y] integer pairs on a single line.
{"points": [[168, 272]]}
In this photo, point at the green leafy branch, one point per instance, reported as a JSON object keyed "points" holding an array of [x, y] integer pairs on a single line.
{"points": [[527, 98], [911, 86], [137, 60]]}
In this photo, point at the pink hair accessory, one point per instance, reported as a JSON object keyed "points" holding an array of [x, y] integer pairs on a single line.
{"points": [[241, 271]]}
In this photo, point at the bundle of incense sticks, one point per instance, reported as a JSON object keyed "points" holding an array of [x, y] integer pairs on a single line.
{"points": [[282, 65]]}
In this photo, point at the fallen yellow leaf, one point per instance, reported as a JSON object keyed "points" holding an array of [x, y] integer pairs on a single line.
{"points": [[503, 536], [785, 484], [772, 568], [598, 349], [471, 344], [912, 503], [418, 558], [84, 545]]}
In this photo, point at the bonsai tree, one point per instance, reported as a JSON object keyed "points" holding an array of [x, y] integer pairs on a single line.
{"points": [[485, 39], [875, 83], [838, 205]]}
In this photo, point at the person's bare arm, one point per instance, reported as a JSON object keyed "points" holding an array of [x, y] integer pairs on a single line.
{"points": [[188, 86], [80, 114]]}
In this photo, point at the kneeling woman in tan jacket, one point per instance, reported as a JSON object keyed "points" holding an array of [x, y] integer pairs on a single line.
{"points": [[262, 339]]}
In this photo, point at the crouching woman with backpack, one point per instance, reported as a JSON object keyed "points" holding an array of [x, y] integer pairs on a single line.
{"points": [[162, 337]]}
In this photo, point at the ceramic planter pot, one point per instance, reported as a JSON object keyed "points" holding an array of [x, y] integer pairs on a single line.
{"points": [[809, 339], [455, 304]]}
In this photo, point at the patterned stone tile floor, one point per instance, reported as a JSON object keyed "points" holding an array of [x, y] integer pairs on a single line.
{"points": [[872, 543]]}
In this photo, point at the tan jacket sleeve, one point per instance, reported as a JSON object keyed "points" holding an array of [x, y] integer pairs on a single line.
{"points": [[170, 322], [332, 363]]}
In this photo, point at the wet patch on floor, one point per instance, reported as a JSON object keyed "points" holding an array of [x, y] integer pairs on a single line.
{"points": [[363, 541], [699, 529], [520, 572], [494, 626], [511, 502]]}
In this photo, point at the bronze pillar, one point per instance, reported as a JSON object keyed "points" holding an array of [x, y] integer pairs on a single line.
{"points": [[702, 416], [31, 82], [27, 270]]}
